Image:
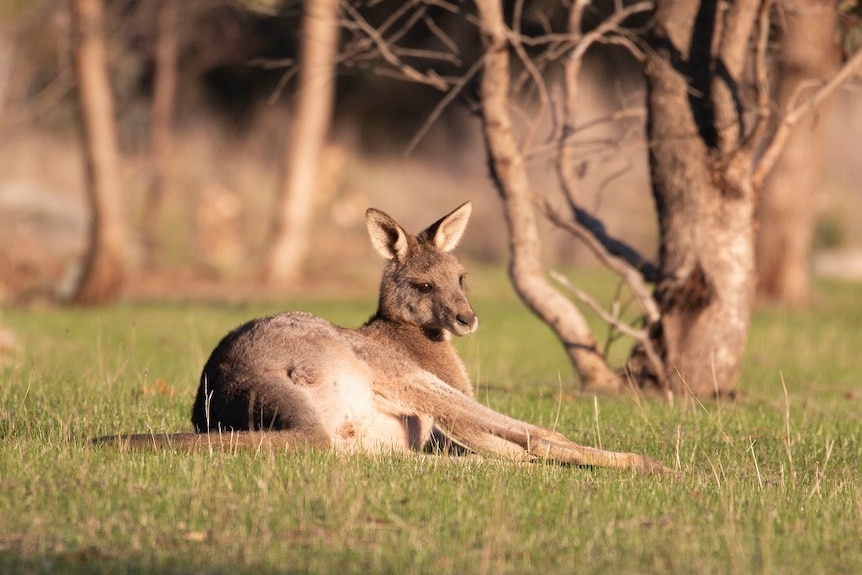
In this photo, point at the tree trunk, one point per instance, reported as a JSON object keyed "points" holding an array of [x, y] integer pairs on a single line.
{"points": [[105, 261], [705, 204], [786, 207], [311, 116], [7, 57], [705, 165], [510, 176], [161, 139]]}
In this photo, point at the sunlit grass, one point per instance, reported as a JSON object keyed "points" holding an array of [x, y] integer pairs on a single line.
{"points": [[769, 483]]}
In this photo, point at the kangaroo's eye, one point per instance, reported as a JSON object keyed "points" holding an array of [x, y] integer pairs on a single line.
{"points": [[462, 281], [424, 287]]}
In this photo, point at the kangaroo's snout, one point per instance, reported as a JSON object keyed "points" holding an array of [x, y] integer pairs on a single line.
{"points": [[465, 324]]}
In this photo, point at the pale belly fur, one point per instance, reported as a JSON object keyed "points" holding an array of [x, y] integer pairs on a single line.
{"points": [[354, 421]]}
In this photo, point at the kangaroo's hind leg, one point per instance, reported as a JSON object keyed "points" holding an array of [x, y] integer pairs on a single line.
{"points": [[481, 428], [270, 404], [520, 440]]}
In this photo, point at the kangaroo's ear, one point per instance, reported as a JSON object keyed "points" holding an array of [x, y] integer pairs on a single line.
{"points": [[388, 238], [446, 232]]}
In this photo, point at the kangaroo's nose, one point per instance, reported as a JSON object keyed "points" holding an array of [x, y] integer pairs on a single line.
{"points": [[468, 321]]}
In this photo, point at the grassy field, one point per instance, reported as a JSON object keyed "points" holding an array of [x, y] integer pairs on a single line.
{"points": [[770, 483]]}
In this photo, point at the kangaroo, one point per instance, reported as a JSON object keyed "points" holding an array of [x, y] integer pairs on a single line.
{"points": [[394, 384]]}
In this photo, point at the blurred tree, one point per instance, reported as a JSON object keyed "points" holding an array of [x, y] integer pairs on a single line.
{"points": [[787, 206], [7, 51], [161, 136], [311, 119], [105, 262]]}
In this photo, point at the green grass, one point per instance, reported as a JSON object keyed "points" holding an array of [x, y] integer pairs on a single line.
{"points": [[767, 484]]}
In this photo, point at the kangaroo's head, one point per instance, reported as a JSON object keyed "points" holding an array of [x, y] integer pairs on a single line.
{"points": [[423, 284]]}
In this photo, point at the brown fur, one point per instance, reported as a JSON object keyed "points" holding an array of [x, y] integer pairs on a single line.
{"points": [[395, 383]]}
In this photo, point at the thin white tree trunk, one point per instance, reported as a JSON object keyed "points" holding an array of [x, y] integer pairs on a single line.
{"points": [[105, 263], [312, 114], [510, 174], [161, 139], [786, 208]]}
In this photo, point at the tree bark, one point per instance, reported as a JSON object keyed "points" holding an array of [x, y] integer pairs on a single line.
{"points": [[701, 182], [510, 176], [312, 114], [161, 139], [105, 261], [786, 209], [7, 57]]}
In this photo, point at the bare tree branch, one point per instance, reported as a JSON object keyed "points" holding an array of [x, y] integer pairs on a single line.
{"points": [[441, 105], [567, 164], [607, 27], [641, 336], [444, 38], [761, 80], [616, 116], [628, 42], [615, 247], [417, 15], [538, 81], [45, 99], [612, 320], [630, 274], [796, 113], [386, 52], [576, 17], [426, 54]]}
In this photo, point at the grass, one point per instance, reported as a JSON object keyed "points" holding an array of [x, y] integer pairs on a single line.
{"points": [[767, 484]]}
